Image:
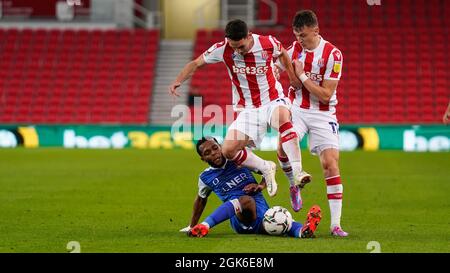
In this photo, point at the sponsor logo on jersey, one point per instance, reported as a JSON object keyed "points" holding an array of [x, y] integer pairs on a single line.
{"points": [[261, 70], [234, 182], [216, 181], [314, 76]]}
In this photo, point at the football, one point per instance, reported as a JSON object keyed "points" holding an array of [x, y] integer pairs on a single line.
{"points": [[277, 220]]}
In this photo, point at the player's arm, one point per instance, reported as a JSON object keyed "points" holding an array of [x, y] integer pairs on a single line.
{"points": [[199, 206], [185, 74], [323, 92], [285, 61]]}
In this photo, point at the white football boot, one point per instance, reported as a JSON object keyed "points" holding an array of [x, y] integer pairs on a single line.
{"points": [[269, 176]]}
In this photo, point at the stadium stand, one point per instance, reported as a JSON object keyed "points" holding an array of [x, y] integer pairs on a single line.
{"points": [[395, 65], [76, 76]]}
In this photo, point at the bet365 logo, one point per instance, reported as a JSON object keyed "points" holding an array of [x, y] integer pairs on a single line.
{"points": [[261, 70], [314, 76], [373, 2]]}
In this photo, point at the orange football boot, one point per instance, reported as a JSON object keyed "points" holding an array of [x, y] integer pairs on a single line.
{"points": [[312, 221]]}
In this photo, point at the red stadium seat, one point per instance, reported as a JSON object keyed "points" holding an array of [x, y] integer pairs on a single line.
{"points": [[391, 73], [61, 76]]}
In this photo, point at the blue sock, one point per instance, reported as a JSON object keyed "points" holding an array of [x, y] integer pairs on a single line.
{"points": [[222, 213], [295, 229]]}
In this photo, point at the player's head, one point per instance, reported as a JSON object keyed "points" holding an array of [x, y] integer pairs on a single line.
{"points": [[239, 38], [306, 28], [210, 151]]}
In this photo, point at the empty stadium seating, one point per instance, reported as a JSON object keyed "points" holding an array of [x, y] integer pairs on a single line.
{"points": [[76, 76], [395, 69]]}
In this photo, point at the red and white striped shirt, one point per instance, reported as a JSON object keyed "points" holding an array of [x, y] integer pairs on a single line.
{"points": [[253, 81], [322, 63]]}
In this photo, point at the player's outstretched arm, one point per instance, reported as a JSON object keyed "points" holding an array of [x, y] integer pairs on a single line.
{"points": [[323, 92], [185, 74], [199, 206]]}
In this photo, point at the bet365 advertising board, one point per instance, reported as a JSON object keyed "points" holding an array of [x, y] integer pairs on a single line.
{"points": [[370, 138]]}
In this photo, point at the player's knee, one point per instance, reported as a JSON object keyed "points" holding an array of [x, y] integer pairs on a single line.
{"points": [[248, 208], [228, 152], [330, 167], [246, 202]]}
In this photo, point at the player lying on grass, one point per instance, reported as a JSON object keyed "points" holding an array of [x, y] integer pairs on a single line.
{"points": [[243, 202]]}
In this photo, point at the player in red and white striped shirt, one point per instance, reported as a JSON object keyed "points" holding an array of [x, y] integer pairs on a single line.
{"points": [[318, 64], [257, 95]]}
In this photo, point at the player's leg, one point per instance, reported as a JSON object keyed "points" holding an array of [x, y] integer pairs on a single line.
{"points": [[324, 141], [285, 162], [247, 214], [224, 212], [294, 190], [289, 139], [329, 159], [234, 148], [246, 128]]}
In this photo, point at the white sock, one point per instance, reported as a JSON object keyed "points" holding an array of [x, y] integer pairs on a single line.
{"points": [[247, 158], [206, 224], [334, 194], [287, 169], [290, 144]]}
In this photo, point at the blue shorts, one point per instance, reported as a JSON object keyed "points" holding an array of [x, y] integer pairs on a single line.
{"points": [[255, 226]]}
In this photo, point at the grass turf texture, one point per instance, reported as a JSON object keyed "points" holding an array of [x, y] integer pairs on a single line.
{"points": [[137, 200]]}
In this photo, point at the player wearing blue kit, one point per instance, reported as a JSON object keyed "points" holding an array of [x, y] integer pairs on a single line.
{"points": [[243, 202]]}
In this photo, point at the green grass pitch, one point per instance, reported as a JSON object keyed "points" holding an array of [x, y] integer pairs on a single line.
{"points": [[137, 200]]}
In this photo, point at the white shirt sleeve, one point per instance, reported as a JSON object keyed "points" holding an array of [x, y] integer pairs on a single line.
{"points": [[334, 65], [215, 53], [276, 46], [203, 190]]}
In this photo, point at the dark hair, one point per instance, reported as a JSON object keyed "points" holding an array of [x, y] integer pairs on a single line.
{"points": [[203, 140], [236, 30], [305, 18]]}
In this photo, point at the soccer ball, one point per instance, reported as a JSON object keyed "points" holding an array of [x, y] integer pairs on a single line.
{"points": [[277, 220]]}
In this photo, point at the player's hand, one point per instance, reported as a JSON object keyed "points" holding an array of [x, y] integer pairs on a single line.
{"points": [[298, 67], [296, 83], [173, 89], [253, 188], [276, 72], [446, 118], [186, 229]]}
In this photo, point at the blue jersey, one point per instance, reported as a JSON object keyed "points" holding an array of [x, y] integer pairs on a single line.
{"points": [[227, 182]]}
